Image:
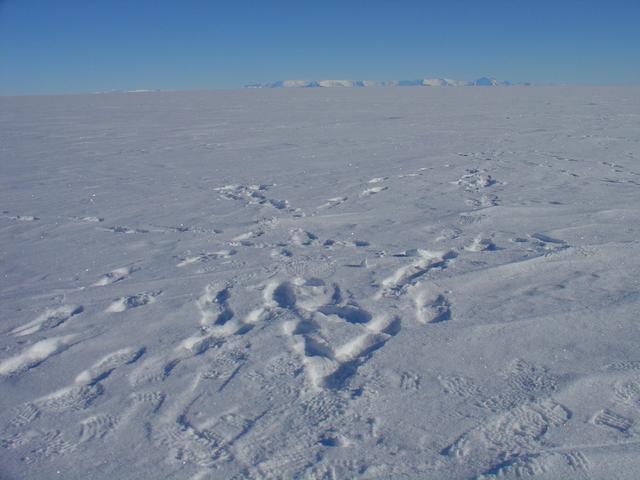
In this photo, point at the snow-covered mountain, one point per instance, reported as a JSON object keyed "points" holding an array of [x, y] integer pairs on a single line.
{"points": [[424, 82], [443, 82], [315, 83]]}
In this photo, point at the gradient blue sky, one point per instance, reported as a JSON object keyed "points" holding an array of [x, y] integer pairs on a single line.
{"points": [[61, 46]]}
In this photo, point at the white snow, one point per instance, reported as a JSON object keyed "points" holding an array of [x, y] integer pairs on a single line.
{"points": [[34, 355], [384, 283], [50, 318]]}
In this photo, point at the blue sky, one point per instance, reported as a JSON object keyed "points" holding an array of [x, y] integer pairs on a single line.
{"points": [[61, 46]]}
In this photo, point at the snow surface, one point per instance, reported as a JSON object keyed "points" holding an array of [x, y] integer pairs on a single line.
{"points": [[349, 283]]}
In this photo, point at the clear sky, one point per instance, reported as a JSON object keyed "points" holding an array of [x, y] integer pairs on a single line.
{"points": [[60, 46]]}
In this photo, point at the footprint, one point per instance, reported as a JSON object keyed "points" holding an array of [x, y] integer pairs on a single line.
{"points": [[124, 229], [214, 307], [547, 239], [429, 307], [279, 204], [372, 191], [530, 379], [409, 381], [481, 244], [459, 386], [204, 445], [348, 313], [133, 301], [114, 276], [628, 393], [623, 366], [523, 466], [318, 266], [378, 180], [432, 311], [524, 382], [155, 399], [292, 459], [18, 439], [577, 461], [88, 219], [407, 275], [47, 445], [246, 239], [75, 397], [333, 202], [302, 238], [248, 235], [36, 354], [543, 245], [469, 219], [217, 322], [103, 368], [24, 218], [610, 419], [330, 243], [332, 338], [24, 415], [475, 180], [240, 192], [547, 245], [51, 318], [187, 445], [97, 427], [509, 436], [252, 195], [614, 166], [484, 201], [205, 257]]}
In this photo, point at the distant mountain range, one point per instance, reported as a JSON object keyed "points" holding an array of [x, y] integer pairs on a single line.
{"points": [[424, 82]]}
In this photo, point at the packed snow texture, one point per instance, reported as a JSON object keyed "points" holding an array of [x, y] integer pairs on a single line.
{"points": [[325, 284]]}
